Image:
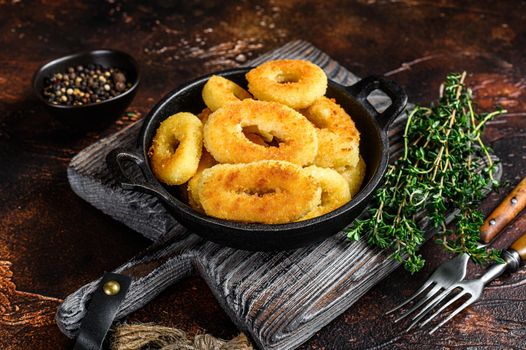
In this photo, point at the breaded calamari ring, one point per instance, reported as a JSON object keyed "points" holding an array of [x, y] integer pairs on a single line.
{"points": [[295, 83], [267, 191], [354, 175], [225, 140], [219, 91], [205, 162], [338, 138], [176, 148], [335, 191], [252, 132]]}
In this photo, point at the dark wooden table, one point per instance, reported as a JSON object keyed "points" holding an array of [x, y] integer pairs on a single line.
{"points": [[51, 242]]}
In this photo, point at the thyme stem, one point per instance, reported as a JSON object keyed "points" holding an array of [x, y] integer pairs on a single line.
{"points": [[436, 174]]}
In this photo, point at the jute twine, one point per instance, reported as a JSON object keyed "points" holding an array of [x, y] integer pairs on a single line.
{"points": [[150, 336]]}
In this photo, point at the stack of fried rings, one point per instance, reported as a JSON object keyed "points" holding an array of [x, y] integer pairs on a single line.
{"points": [[282, 153]]}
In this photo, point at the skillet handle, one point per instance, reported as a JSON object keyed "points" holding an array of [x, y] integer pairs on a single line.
{"points": [[115, 161], [363, 88]]}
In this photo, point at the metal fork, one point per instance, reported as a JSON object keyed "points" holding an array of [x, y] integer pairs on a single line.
{"points": [[473, 288], [454, 270], [448, 273]]}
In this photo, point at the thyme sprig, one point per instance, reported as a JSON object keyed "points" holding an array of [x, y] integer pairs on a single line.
{"points": [[439, 172]]}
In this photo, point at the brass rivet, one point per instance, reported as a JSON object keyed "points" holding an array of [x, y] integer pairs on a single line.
{"points": [[111, 288]]}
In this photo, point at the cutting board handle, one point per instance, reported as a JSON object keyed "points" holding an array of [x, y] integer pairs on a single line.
{"points": [[156, 268]]}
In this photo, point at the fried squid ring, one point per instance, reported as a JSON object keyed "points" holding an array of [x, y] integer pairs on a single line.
{"points": [[206, 162], [225, 140], [219, 91], [251, 132], [335, 191], [295, 83], [176, 148], [338, 138], [267, 191], [354, 175]]}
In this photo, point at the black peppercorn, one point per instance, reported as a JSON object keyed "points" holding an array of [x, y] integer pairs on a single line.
{"points": [[119, 78], [120, 86], [81, 85]]}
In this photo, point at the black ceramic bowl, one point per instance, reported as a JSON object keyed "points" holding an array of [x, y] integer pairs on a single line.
{"points": [[374, 148], [95, 115]]}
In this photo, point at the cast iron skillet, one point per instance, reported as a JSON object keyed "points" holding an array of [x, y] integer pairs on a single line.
{"points": [[263, 237]]}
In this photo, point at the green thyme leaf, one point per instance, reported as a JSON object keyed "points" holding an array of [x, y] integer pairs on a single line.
{"points": [[439, 171]]}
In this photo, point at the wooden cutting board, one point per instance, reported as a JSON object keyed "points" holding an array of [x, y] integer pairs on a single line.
{"points": [[279, 299]]}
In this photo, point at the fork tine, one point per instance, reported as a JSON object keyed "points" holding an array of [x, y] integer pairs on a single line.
{"points": [[437, 299], [429, 296], [451, 301], [412, 297], [454, 313]]}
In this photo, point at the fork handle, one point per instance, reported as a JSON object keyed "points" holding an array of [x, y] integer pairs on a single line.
{"points": [[513, 257], [504, 213], [520, 246]]}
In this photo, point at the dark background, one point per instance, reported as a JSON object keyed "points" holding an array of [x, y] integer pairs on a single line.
{"points": [[52, 242]]}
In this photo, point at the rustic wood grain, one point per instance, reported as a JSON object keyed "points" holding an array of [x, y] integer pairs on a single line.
{"points": [[56, 242], [280, 299]]}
